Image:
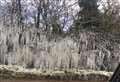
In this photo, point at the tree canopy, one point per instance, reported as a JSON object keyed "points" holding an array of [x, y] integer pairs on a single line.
{"points": [[89, 13]]}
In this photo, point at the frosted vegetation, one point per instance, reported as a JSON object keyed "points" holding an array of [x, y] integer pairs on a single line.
{"points": [[66, 74], [30, 48]]}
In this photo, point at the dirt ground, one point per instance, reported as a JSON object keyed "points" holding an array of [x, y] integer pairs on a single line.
{"points": [[14, 80]]}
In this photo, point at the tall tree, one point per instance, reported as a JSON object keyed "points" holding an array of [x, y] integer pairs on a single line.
{"points": [[89, 13], [111, 16], [38, 15], [19, 12]]}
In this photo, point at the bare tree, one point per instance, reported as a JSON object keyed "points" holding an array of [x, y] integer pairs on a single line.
{"points": [[19, 12], [111, 10]]}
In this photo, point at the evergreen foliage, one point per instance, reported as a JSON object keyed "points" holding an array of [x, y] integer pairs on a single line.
{"points": [[89, 14]]}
